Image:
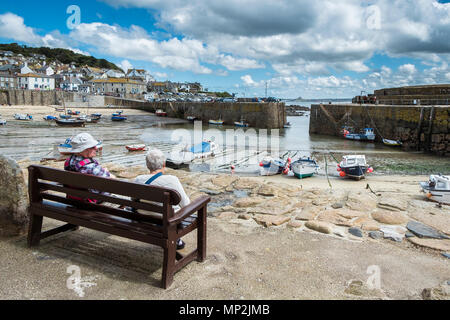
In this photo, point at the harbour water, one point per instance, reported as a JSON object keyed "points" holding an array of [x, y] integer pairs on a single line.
{"points": [[37, 139]]}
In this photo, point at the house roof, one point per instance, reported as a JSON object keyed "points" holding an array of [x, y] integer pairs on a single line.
{"points": [[117, 80]]}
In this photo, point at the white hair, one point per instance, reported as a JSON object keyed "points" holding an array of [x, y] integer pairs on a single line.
{"points": [[155, 160]]}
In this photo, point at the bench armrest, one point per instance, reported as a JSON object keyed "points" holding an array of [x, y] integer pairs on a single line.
{"points": [[190, 209]]}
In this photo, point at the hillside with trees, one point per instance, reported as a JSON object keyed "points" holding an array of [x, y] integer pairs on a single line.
{"points": [[63, 55]]}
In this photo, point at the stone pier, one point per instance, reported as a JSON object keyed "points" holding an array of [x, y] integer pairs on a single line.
{"points": [[420, 128]]}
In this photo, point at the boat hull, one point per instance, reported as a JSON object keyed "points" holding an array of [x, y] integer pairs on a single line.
{"points": [[118, 118], [76, 123], [216, 123], [304, 169], [360, 137], [355, 172]]}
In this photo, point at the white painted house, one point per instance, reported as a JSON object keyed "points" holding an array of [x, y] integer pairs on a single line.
{"points": [[25, 69], [32, 81]]}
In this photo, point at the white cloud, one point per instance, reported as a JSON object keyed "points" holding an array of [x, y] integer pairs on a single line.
{"points": [[125, 65], [408, 69], [12, 27]]}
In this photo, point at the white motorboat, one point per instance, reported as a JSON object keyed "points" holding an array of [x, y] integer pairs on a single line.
{"points": [[216, 122], [437, 188], [2, 122], [354, 166]]}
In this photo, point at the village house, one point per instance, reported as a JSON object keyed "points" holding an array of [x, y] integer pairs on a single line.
{"points": [[85, 88], [161, 87], [33, 81], [118, 86], [71, 84], [25, 69], [47, 70], [7, 81], [140, 74], [113, 74]]}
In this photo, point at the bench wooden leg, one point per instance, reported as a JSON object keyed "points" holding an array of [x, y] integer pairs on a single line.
{"points": [[201, 235], [169, 264], [34, 230]]}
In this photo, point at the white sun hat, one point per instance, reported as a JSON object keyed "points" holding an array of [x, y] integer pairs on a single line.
{"points": [[82, 142]]}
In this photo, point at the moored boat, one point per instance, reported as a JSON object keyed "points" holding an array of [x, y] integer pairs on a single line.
{"points": [[65, 116], [392, 143], [437, 188], [161, 113], [216, 122], [2, 121], [270, 166], [203, 150], [73, 113], [191, 118], [241, 124], [136, 147], [304, 168], [23, 117], [70, 122], [365, 135], [287, 125], [50, 118], [354, 166], [118, 116]]}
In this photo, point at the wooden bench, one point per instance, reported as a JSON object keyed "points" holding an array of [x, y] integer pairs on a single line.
{"points": [[49, 188]]}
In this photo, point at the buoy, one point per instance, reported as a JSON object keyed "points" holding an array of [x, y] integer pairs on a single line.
{"points": [[286, 171], [342, 174], [370, 170], [233, 167], [261, 164], [339, 169]]}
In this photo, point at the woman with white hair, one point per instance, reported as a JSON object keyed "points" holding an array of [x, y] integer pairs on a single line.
{"points": [[156, 163]]}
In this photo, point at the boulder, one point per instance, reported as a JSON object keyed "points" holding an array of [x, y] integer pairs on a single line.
{"points": [[392, 203], [227, 215], [320, 226], [223, 181], [267, 190], [333, 217], [245, 183], [13, 199], [389, 217], [423, 231], [356, 232], [376, 234], [267, 220], [248, 202], [361, 201], [441, 245], [306, 214], [295, 224]]}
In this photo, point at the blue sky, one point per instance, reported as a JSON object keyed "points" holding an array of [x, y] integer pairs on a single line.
{"points": [[298, 47]]}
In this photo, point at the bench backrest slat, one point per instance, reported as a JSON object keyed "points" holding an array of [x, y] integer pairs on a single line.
{"points": [[85, 194], [129, 189]]}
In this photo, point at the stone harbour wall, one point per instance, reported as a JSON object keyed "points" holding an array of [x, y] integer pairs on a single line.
{"points": [[420, 128], [258, 115], [34, 97]]}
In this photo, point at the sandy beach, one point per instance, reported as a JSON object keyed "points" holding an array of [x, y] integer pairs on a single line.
{"points": [[272, 237]]}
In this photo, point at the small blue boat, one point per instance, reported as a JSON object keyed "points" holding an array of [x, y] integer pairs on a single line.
{"points": [[366, 135], [50, 118], [65, 116]]}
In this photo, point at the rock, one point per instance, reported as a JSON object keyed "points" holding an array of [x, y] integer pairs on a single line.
{"points": [[423, 231], [306, 214], [441, 245], [370, 226], [433, 217], [245, 216], [376, 234], [441, 292], [362, 289], [364, 202], [276, 207], [210, 192], [356, 232], [245, 183], [267, 220], [446, 254], [338, 205], [295, 224], [248, 202], [223, 181], [340, 233], [349, 214], [13, 199], [392, 203], [267, 190], [392, 233], [409, 234], [320, 226], [227, 215], [333, 217], [389, 217]]}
